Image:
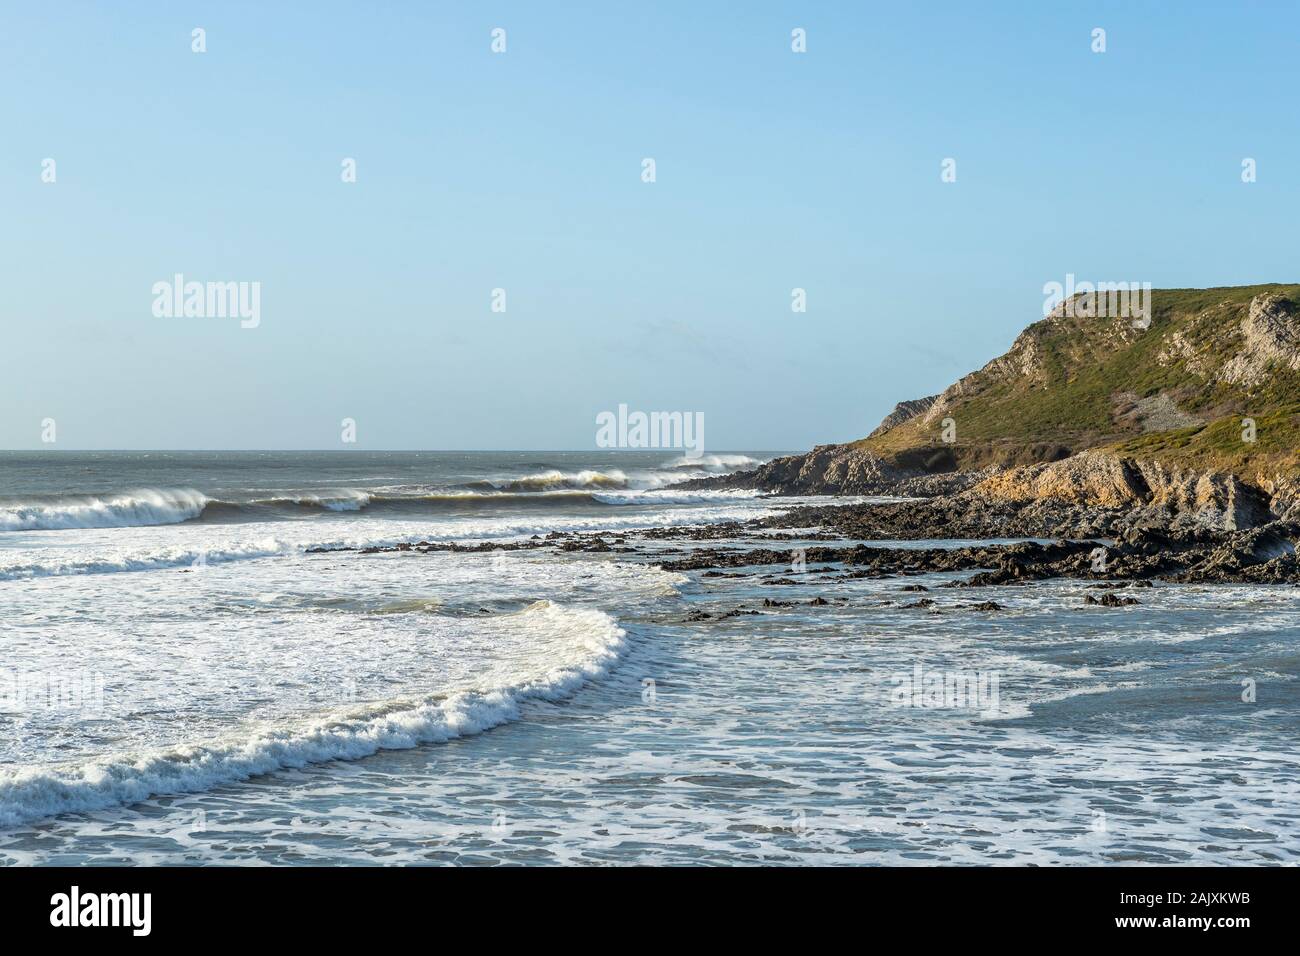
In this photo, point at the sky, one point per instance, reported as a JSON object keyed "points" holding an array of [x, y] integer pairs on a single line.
{"points": [[522, 170]]}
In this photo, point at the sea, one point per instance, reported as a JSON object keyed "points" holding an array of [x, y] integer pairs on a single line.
{"points": [[192, 672]]}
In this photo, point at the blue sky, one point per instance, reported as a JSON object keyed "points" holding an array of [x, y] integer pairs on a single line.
{"points": [[522, 171]]}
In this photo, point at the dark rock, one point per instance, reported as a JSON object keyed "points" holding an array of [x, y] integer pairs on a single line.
{"points": [[1111, 600]]}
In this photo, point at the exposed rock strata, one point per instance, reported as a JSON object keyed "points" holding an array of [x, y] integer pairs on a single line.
{"points": [[1264, 555], [1270, 339], [904, 411], [1085, 494], [849, 470]]}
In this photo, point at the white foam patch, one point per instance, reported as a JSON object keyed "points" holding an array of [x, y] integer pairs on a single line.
{"points": [[715, 462], [582, 643], [554, 479], [129, 509], [346, 500], [99, 552]]}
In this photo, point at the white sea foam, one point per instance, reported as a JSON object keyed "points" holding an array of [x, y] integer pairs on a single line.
{"points": [[149, 507], [146, 506], [671, 496], [145, 559], [675, 470], [102, 551], [345, 500], [553, 478], [585, 644], [715, 462]]}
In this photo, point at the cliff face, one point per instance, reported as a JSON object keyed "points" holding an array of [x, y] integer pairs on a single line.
{"points": [[1212, 499], [1185, 386], [1146, 491], [903, 412], [848, 470], [1191, 417], [834, 470], [1270, 342]]}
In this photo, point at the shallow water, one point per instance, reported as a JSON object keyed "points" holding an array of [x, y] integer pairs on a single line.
{"points": [[541, 707]]}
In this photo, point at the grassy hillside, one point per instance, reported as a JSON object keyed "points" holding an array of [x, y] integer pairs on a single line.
{"points": [[1171, 391]]}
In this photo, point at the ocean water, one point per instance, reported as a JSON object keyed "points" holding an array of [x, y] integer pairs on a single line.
{"points": [[181, 681]]}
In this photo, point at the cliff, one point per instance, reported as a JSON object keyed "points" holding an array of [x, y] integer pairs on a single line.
{"points": [[1190, 410]]}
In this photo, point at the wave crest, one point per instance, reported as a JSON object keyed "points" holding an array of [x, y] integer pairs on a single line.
{"points": [[554, 479], [129, 509], [37, 793], [714, 462], [345, 500]]}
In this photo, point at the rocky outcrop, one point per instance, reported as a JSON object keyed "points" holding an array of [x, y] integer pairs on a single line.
{"points": [[903, 412], [1087, 478], [1284, 495], [945, 483], [1088, 378], [826, 470], [1177, 347], [1041, 429], [1024, 363], [1088, 495], [1270, 339], [1150, 492], [1264, 555], [1085, 493], [852, 470]]}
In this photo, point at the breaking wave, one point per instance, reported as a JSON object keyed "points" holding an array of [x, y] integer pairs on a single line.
{"points": [[715, 462], [594, 644], [548, 488], [554, 479], [125, 510]]}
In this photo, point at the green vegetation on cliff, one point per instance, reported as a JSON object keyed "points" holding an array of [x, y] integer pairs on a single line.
{"points": [[1176, 390]]}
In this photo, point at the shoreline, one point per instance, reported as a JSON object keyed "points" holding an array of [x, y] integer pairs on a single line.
{"points": [[811, 608], [1096, 547]]}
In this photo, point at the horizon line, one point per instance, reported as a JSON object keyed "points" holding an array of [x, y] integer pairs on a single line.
{"points": [[347, 451]]}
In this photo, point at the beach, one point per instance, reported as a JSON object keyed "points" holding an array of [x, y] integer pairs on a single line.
{"points": [[543, 657]]}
